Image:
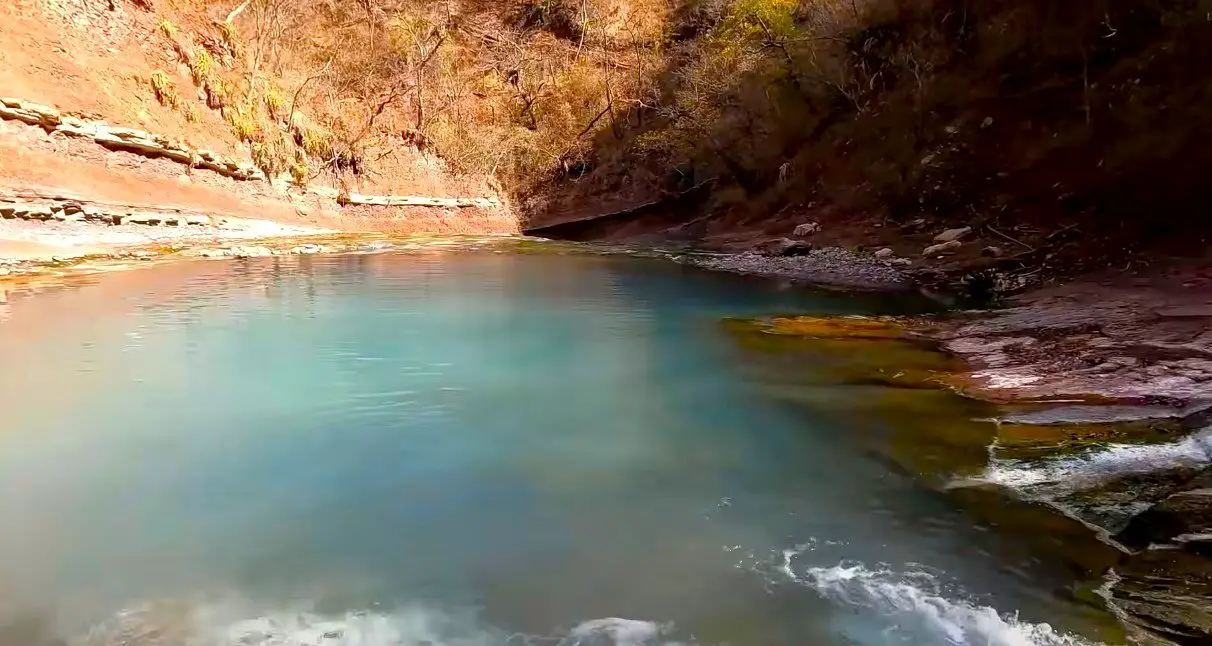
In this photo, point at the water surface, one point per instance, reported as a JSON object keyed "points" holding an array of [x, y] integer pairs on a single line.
{"points": [[479, 447]]}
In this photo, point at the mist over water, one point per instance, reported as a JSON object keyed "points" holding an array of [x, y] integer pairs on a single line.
{"points": [[462, 449]]}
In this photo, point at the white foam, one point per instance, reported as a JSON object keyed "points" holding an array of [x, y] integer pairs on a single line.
{"points": [[1065, 475], [919, 612], [234, 623], [617, 631]]}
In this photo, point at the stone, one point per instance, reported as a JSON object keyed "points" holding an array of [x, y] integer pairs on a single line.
{"points": [[992, 252], [1167, 592], [1187, 311], [251, 252], [952, 234], [9, 211], [197, 220], [145, 218], [913, 225], [900, 262], [884, 253], [785, 247], [945, 247], [37, 212], [807, 229]]}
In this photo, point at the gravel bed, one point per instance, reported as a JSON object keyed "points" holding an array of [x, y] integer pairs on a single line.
{"points": [[829, 266]]}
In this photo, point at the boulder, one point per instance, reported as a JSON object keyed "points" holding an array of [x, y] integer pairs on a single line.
{"points": [[884, 253], [952, 234], [992, 252], [785, 247], [806, 229], [945, 247], [1184, 517], [31, 113], [36, 212]]}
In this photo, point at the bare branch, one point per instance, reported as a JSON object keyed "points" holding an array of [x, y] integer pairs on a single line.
{"points": [[236, 12]]}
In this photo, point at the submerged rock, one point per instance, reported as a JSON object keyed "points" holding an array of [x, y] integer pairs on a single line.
{"points": [[835, 327]]}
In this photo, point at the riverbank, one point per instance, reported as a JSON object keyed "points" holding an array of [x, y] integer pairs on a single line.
{"points": [[1102, 389]]}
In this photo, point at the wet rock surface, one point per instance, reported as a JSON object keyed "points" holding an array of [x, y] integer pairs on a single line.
{"points": [[1122, 491]]}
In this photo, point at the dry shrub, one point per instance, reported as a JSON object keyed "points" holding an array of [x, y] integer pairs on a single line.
{"points": [[190, 112], [165, 90], [170, 29], [201, 67], [231, 39]]}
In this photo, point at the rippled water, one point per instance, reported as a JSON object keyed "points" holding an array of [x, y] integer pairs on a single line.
{"points": [[466, 448]]}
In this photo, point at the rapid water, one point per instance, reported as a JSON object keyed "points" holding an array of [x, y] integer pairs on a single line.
{"points": [[467, 448]]}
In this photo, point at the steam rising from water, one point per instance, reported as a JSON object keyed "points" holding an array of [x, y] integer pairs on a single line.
{"points": [[233, 623]]}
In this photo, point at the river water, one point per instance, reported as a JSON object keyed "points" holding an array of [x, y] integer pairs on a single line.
{"points": [[465, 448]]}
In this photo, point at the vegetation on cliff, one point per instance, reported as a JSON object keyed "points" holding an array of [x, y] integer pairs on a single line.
{"points": [[1031, 121]]}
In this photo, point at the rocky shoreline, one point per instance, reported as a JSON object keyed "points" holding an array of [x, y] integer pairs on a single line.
{"points": [[1105, 388]]}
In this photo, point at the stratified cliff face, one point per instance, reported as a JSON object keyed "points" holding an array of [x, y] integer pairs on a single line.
{"points": [[1069, 136], [146, 106]]}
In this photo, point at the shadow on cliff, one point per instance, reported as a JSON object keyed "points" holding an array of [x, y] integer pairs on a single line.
{"points": [[1078, 130]]}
